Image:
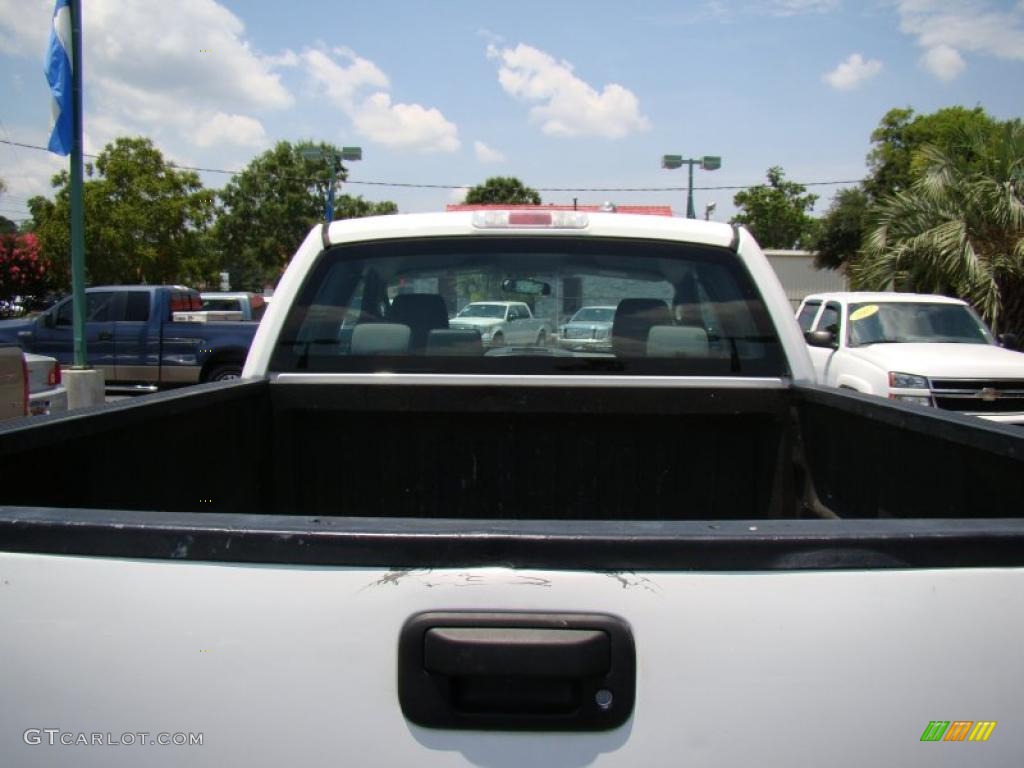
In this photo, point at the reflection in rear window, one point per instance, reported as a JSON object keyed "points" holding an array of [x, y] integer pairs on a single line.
{"points": [[438, 305]]}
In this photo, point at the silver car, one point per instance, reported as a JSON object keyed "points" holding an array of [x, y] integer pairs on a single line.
{"points": [[46, 393], [589, 330]]}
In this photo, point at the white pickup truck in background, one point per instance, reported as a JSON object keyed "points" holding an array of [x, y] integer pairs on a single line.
{"points": [[502, 323], [916, 348], [421, 551]]}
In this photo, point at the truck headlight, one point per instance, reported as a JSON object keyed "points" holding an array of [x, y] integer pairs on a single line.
{"points": [[907, 381]]}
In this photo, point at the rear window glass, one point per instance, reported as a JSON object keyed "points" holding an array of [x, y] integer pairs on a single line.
{"points": [[439, 306]]}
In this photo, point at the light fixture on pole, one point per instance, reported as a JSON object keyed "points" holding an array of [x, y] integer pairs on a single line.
{"points": [[708, 210], [333, 159], [707, 163]]}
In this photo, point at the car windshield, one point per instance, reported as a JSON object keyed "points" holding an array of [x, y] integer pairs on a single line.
{"points": [[482, 310], [594, 315], [386, 306], [914, 323]]}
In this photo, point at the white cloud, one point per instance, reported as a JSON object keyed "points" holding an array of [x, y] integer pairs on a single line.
{"points": [[565, 105], [945, 28], [27, 172], [405, 126], [800, 7], [343, 83], [25, 27], [943, 61], [181, 71], [851, 72], [487, 155], [374, 116], [730, 11], [240, 130]]}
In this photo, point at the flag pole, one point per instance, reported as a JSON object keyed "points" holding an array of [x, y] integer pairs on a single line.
{"points": [[77, 208]]}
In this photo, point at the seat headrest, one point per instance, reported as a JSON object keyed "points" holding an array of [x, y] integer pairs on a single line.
{"points": [[380, 339], [634, 318], [419, 309], [677, 341]]}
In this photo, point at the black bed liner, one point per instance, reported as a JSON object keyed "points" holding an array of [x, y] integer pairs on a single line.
{"points": [[604, 477]]}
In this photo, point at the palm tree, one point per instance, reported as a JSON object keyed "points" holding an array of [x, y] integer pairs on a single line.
{"points": [[958, 230]]}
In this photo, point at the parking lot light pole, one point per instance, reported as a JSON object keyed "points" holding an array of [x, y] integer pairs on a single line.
{"points": [[333, 160], [707, 163]]}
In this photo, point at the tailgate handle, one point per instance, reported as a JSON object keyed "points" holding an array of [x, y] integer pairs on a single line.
{"points": [[505, 671]]}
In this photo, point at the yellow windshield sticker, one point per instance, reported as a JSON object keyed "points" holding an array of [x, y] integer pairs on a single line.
{"points": [[864, 312]]}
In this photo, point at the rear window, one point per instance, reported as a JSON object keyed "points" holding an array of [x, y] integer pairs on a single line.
{"points": [[439, 306], [222, 305]]}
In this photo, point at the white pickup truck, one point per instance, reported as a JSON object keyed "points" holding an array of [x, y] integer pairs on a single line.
{"points": [[502, 323], [420, 551], [916, 348]]}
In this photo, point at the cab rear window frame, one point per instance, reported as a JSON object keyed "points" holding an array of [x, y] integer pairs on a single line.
{"points": [[284, 358]]}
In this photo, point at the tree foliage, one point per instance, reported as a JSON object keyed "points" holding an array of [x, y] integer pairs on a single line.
{"points": [[502, 189], [840, 229], [896, 146], [901, 134], [145, 219], [267, 210], [959, 228], [776, 213]]}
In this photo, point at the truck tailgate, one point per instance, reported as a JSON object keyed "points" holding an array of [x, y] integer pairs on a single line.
{"points": [[297, 665]]}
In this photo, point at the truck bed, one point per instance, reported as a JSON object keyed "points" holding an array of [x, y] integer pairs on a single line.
{"points": [[246, 453]]}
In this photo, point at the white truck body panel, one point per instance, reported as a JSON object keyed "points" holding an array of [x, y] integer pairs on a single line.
{"points": [[109, 645]]}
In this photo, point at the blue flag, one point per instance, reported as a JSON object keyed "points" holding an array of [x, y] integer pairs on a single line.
{"points": [[58, 75]]}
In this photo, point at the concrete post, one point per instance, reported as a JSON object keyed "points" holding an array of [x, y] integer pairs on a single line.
{"points": [[85, 387]]}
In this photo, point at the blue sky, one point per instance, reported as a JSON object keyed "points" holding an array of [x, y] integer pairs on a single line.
{"points": [[567, 94]]}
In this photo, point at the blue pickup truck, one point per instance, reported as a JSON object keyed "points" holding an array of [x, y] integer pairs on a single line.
{"points": [[133, 337]]}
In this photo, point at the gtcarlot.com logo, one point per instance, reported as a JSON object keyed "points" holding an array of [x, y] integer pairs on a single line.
{"points": [[958, 730], [55, 736]]}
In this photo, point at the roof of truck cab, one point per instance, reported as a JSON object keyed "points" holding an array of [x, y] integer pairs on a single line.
{"points": [[850, 297], [460, 223]]}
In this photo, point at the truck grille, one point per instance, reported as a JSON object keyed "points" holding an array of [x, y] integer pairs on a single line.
{"points": [[578, 333], [979, 395]]}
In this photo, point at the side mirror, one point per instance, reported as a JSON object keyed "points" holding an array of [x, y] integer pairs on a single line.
{"points": [[1009, 340], [824, 339]]}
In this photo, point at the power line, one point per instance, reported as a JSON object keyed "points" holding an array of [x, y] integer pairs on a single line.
{"points": [[410, 185]]}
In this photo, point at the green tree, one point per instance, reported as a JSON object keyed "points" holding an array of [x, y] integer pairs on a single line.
{"points": [[901, 134], [840, 229], [896, 143], [959, 228], [267, 210], [145, 219], [776, 212], [502, 189], [355, 207]]}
